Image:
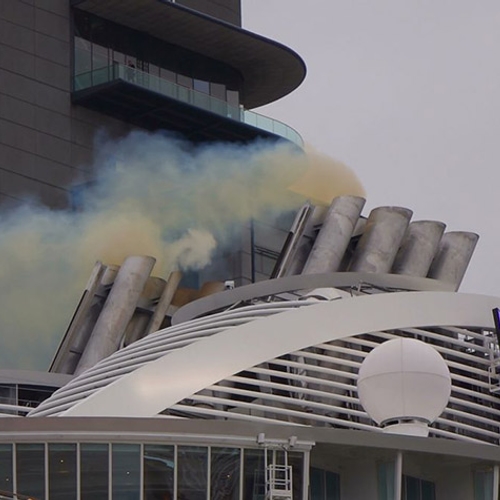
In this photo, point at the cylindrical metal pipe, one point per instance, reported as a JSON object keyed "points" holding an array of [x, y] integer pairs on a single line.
{"points": [[335, 234], [419, 247], [384, 232], [453, 257], [117, 311], [164, 303]]}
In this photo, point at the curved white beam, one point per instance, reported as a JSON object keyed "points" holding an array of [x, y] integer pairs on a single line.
{"points": [[164, 382]]}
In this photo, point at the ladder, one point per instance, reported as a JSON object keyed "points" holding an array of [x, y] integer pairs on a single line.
{"points": [[279, 485]]}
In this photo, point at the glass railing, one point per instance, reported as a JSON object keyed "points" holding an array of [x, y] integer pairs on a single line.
{"points": [[107, 73]]}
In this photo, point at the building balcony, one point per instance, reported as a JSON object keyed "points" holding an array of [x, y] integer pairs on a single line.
{"points": [[154, 103]]}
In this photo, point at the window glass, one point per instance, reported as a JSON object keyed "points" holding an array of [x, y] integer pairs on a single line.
{"points": [[233, 97], [62, 471], [483, 485], [201, 86], [317, 479], [254, 487], [428, 491], [185, 81], [30, 467], [168, 75], [218, 90], [6, 479], [225, 473], [332, 483], [411, 488], [296, 459], [126, 460], [386, 473], [94, 473], [159, 466], [192, 472]]}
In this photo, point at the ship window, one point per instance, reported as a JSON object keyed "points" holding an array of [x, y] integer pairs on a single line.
{"points": [[418, 489], [192, 473], [325, 485], [159, 465], [6, 480], [185, 81], [94, 472], [483, 485], [62, 471], [254, 478], [30, 466], [224, 473], [126, 471]]}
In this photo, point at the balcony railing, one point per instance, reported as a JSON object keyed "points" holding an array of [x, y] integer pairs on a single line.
{"points": [[115, 71]]}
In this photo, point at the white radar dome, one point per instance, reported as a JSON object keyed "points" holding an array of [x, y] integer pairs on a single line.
{"points": [[404, 382]]}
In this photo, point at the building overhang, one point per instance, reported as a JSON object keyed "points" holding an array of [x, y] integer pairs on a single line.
{"points": [[153, 111], [269, 69]]}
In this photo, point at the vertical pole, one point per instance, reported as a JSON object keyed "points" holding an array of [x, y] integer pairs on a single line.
{"points": [[496, 482], [398, 476], [305, 475], [78, 472], [252, 250]]}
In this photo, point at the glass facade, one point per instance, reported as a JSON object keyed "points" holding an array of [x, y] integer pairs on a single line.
{"points": [[102, 44], [325, 485], [129, 471]]}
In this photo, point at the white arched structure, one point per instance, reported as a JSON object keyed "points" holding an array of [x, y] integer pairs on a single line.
{"points": [[323, 349]]}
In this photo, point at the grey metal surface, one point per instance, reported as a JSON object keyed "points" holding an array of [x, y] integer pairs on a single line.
{"points": [[117, 311], [384, 232], [164, 302], [304, 282], [419, 247], [453, 256], [333, 238], [141, 429]]}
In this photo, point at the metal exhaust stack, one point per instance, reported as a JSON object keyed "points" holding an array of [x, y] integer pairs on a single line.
{"points": [[335, 234], [453, 257], [384, 232], [117, 311], [419, 247]]}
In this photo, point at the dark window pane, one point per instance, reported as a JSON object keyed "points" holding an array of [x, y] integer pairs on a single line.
{"points": [[201, 86], [254, 487], [225, 474], [428, 492], [218, 90], [62, 471], [6, 479], [233, 97], [30, 466], [332, 483], [192, 462], [185, 81], [317, 480], [94, 464], [296, 460], [158, 472], [412, 488], [126, 462]]}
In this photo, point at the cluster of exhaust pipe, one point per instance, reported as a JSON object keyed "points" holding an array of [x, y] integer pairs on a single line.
{"points": [[389, 243], [123, 304]]}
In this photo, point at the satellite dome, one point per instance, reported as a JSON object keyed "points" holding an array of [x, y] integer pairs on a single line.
{"points": [[404, 382]]}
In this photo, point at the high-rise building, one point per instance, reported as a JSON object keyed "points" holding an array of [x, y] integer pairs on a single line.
{"points": [[70, 69], [349, 368]]}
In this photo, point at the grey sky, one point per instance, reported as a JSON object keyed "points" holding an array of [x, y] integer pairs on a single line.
{"points": [[407, 93]]}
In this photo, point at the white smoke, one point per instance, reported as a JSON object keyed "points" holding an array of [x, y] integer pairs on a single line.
{"points": [[152, 195]]}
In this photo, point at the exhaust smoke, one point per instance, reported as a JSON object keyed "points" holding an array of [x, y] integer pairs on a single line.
{"points": [[153, 195]]}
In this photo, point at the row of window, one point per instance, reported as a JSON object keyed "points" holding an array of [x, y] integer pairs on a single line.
{"points": [[102, 471]]}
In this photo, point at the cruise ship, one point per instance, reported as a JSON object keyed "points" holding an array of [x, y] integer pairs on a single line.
{"points": [[332, 358]]}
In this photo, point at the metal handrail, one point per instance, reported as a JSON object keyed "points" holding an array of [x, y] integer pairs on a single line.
{"points": [[115, 71]]}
